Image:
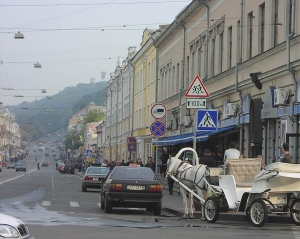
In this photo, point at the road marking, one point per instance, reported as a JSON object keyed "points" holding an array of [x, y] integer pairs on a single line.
{"points": [[74, 204], [11, 179], [32, 171], [99, 204], [46, 203]]}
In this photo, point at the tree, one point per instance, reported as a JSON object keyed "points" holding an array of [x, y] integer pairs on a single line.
{"points": [[93, 116]]}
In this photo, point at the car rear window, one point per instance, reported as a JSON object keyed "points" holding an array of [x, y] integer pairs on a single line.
{"points": [[20, 164], [134, 173], [98, 170]]}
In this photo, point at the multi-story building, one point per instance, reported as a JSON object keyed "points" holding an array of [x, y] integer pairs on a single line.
{"points": [[144, 92], [247, 54], [118, 120]]}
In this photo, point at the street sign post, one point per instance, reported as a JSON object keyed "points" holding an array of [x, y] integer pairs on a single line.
{"points": [[195, 103], [158, 111], [158, 128], [207, 120]]}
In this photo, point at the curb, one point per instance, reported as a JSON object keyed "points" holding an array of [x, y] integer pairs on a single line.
{"points": [[233, 216]]}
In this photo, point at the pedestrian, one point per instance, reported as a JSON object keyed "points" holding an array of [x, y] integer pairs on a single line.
{"points": [[164, 161], [139, 162], [287, 157], [38, 166], [150, 164], [261, 159], [128, 162], [232, 152], [207, 159]]}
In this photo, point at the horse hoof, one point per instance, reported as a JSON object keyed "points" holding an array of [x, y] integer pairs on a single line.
{"points": [[192, 217], [203, 219], [184, 217]]}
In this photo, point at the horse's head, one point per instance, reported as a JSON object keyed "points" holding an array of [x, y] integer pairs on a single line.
{"points": [[173, 164]]}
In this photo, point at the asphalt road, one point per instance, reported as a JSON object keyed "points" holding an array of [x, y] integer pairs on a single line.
{"points": [[54, 206]]}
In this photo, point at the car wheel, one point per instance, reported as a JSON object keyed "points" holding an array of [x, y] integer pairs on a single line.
{"points": [[157, 208], [25, 170], [84, 188], [107, 206], [295, 216], [149, 209], [102, 202], [16, 170]]}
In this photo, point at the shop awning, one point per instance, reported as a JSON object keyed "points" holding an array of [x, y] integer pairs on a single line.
{"points": [[201, 136]]}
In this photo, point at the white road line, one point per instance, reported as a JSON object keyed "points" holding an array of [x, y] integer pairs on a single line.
{"points": [[46, 203], [74, 204], [52, 182], [11, 179], [32, 171], [99, 204]]}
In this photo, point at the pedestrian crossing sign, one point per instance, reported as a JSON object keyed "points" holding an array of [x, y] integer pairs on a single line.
{"points": [[207, 120]]}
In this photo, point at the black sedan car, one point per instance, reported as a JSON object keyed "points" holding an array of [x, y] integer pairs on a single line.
{"points": [[93, 177], [136, 187], [21, 167]]}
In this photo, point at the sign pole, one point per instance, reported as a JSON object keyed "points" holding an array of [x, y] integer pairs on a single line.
{"points": [[194, 139], [156, 157]]}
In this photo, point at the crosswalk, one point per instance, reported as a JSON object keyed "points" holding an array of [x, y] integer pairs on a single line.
{"points": [[71, 204]]}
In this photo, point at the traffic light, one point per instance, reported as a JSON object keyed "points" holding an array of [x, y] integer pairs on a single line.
{"points": [[255, 80]]}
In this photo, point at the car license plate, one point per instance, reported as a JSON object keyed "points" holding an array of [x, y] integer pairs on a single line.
{"points": [[95, 179], [135, 187]]}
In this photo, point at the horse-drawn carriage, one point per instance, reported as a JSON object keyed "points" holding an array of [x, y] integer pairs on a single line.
{"points": [[241, 185]]}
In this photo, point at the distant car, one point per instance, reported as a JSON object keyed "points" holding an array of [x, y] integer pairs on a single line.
{"points": [[41, 149], [54, 154], [93, 176], [46, 164], [34, 149], [11, 227], [132, 187], [46, 154], [21, 167], [69, 168], [61, 168], [56, 158], [10, 165]]}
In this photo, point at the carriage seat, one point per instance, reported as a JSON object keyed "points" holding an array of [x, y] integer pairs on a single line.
{"points": [[244, 170]]}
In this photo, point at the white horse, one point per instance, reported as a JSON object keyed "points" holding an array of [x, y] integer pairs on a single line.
{"points": [[191, 176]]}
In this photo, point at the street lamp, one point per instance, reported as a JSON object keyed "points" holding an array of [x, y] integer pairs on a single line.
{"points": [[19, 35]]}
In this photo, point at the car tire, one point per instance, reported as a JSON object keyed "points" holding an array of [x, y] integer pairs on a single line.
{"points": [[84, 188], [107, 206], [16, 170], [149, 209], [25, 170], [157, 208], [102, 202]]}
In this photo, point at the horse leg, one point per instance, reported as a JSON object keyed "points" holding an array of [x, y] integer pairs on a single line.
{"points": [[202, 194], [183, 193], [191, 213]]}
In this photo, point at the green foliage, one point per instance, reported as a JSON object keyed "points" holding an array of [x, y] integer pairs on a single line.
{"points": [[73, 140], [93, 116], [48, 115]]}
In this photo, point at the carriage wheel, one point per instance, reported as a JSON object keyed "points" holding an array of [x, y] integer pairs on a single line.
{"points": [[258, 213], [211, 209], [296, 216]]}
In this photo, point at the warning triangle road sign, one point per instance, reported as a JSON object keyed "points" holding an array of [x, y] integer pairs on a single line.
{"points": [[207, 121], [197, 89]]}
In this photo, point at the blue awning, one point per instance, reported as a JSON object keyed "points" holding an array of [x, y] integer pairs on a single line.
{"points": [[201, 136]]}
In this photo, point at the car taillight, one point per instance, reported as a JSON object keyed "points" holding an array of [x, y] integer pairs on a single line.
{"points": [[115, 187], [88, 178], [156, 188]]}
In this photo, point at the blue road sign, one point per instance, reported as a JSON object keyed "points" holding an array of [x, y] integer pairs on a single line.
{"points": [[158, 128], [87, 152], [207, 120]]}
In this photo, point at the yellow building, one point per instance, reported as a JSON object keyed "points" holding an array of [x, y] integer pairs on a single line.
{"points": [[144, 93]]}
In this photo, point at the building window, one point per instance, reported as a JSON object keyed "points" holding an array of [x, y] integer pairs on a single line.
{"points": [[199, 61], [229, 62], [193, 65], [187, 71], [177, 79], [238, 40], [262, 28], [212, 57], [149, 73], [275, 23], [250, 34], [173, 81], [221, 36]]}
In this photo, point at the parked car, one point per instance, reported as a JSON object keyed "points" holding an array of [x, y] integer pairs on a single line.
{"points": [[21, 167], [69, 168], [93, 177], [46, 164], [61, 168], [131, 187], [11, 227], [10, 165]]}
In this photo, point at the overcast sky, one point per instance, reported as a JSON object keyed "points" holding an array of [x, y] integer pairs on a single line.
{"points": [[67, 38]]}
